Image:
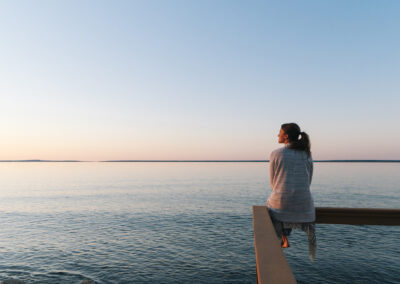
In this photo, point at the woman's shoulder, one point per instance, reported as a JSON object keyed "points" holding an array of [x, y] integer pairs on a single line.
{"points": [[277, 153], [287, 153]]}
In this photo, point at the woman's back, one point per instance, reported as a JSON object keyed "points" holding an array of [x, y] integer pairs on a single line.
{"points": [[291, 173]]}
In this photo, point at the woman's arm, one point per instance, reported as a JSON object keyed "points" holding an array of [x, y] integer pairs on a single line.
{"points": [[271, 170], [311, 169]]}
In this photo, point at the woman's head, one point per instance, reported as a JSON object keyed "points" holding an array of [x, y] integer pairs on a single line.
{"points": [[290, 134]]}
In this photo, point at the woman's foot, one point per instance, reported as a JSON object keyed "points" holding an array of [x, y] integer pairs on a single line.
{"points": [[285, 242]]}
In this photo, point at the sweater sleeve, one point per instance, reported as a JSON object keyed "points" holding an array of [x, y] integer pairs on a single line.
{"points": [[311, 169], [271, 170]]}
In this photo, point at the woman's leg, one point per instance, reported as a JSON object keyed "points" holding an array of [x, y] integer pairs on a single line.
{"points": [[280, 231]]}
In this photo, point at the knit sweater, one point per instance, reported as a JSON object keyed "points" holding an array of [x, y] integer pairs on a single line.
{"points": [[290, 176]]}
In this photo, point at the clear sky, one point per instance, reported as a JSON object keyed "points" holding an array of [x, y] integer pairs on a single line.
{"points": [[98, 80]]}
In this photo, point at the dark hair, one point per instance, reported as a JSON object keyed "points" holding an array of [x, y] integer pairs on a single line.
{"points": [[293, 132]]}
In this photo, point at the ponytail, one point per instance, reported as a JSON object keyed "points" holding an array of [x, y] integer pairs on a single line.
{"points": [[293, 132], [303, 144]]}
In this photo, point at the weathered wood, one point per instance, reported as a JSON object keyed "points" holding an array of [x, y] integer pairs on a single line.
{"points": [[358, 216], [272, 266]]}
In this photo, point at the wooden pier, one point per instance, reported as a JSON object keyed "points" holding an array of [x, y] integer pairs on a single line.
{"points": [[272, 266]]}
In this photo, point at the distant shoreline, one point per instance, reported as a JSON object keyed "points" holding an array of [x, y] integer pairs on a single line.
{"points": [[191, 161]]}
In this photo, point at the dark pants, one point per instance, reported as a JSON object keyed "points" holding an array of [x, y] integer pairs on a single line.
{"points": [[279, 227]]}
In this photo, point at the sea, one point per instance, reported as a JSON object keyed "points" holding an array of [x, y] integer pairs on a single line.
{"points": [[176, 222]]}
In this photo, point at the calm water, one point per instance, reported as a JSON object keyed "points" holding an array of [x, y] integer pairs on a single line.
{"points": [[182, 223]]}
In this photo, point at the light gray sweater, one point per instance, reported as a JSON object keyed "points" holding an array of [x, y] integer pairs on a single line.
{"points": [[291, 173]]}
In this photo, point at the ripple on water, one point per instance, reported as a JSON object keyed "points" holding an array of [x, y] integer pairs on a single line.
{"points": [[181, 223]]}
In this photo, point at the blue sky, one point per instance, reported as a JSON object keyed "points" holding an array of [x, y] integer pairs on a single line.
{"points": [[95, 80]]}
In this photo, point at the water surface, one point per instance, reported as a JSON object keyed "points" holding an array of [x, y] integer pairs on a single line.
{"points": [[181, 222]]}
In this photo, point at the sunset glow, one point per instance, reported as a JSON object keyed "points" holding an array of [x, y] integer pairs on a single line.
{"points": [[105, 80]]}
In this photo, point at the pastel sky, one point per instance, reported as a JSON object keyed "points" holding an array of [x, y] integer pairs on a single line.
{"points": [[98, 80]]}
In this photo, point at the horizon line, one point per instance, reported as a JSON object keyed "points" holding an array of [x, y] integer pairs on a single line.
{"points": [[197, 161]]}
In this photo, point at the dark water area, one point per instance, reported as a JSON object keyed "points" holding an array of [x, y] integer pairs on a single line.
{"points": [[182, 223]]}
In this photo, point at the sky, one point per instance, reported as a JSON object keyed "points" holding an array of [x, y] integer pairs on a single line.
{"points": [[105, 80]]}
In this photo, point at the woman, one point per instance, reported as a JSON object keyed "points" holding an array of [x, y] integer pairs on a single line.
{"points": [[290, 204]]}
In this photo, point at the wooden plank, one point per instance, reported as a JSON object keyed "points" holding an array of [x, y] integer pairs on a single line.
{"points": [[272, 266], [358, 216]]}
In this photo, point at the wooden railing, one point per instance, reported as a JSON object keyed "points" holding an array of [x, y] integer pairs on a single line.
{"points": [[271, 264], [358, 216]]}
